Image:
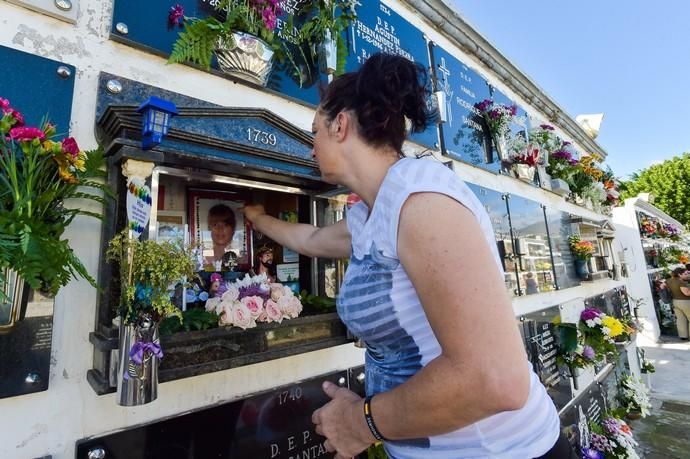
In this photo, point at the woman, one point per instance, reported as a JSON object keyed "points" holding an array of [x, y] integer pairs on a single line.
{"points": [[445, 363], [221, 222]]}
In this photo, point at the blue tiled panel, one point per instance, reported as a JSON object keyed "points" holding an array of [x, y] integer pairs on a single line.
{"points": [[147, 24], [380, 29], [34, 88], [464, 132]]}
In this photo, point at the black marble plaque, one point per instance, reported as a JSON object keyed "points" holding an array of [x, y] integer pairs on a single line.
{"points": [[594, 404], [531, 246], [273, 425], [541, 342], [574, 425], [25, 352]]}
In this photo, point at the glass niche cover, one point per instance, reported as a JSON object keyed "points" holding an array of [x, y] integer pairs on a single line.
{"points": [[533, 261], [208, 216]]}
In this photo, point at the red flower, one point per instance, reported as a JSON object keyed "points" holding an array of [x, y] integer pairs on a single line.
{"points": [[18, 117], [26, 134], [69, 145]]}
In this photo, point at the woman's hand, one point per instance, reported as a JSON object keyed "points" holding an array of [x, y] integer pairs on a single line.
{"points": [[342, 422], [253, 211]]}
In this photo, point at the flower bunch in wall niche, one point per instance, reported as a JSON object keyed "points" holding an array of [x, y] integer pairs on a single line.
{"points": [[523, 158], [572, 350], [612, 438], [39, 176], [633, 397], [600, 332], [248, 36], [148, 273], [246, 302], [582, 252], [498, 118]]}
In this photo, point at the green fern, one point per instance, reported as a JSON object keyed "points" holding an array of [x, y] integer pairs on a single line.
{"points": [[197, 42]]}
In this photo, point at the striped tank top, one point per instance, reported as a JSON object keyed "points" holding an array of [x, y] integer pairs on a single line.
{"points": [[379, 304]]}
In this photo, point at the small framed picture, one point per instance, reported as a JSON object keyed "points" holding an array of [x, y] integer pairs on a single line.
{"points": [[218, 229], [170, 225]]}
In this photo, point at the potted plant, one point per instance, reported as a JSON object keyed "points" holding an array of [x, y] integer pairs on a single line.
{"points": [[498, 118], [582, 251], [245, 39], [148, 270], [633, 396], [39, 175]]}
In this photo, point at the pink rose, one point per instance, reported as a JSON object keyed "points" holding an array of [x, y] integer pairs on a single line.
{"points": [[4, 105], [26, 134], [293, 308], [69, 146], [255, 304], [225, 315], [276, 291], [242, 317], [273, 312], [231, 294]]}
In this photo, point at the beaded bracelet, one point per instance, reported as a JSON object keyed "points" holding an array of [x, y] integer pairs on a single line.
{"points": [[370, 420]]}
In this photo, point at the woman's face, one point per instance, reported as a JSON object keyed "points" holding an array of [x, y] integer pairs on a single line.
{"points": [[221, 232], [326, 150]]}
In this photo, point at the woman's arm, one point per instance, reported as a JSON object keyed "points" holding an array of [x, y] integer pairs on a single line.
{"points": [[331, 241], [482, 369]]}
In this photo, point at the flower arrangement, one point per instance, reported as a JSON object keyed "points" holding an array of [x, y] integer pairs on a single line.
{"points": [[147, 271], [648, 228], [582, 250], [634, 395], [600, 331], [498, 117], [545, 136], [305, 27], [244, 303], [613, 438], [38, 176], [529, 156], [572, 351], [561, 165], [671, 231]]}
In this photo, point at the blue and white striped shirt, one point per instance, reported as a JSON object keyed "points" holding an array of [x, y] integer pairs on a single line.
{"points": [[379, 304]]}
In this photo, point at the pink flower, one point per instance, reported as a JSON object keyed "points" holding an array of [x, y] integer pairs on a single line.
{"points": [[69, 146], [176, 15], [277, 292], [214, 305], [18, 117], [225, 314], [4, 104], [255, 305], [293, 307], [26, 134], [242, 316], [273, 312]]}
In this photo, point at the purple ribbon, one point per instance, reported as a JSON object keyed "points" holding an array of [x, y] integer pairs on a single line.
{"points": [[140, 348]]}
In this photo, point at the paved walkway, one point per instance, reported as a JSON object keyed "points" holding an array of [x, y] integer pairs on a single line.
{"points": [[665, 434]]}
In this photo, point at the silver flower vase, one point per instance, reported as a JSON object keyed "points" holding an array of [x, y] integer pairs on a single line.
{"points": [[139, 357], [500, 145], [245, 56]]}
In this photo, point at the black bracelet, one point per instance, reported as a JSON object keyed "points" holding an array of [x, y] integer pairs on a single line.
{"points": [[370, 420]]}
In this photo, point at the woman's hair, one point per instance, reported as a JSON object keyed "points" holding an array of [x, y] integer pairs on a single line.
{"points": [[383, 93], [221, 213]]}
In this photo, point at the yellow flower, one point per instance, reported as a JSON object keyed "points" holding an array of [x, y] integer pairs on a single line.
{"points": [[614, 325]]}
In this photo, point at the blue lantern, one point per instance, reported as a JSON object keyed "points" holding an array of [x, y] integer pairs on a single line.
{"points": [[155, 120]]}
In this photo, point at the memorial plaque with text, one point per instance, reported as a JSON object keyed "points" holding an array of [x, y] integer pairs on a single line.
{"points": [[380, 29], [274, 425], [560, 229], [541, 341], [594, 404], [465, 134]]}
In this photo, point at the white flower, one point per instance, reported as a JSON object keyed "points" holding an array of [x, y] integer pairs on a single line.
{"points": [[212, 304], [606, 331], [231, 294]]}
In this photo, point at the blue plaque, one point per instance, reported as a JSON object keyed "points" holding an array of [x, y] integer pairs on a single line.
{"points": [[380, 29], [465, 134], [147, 27], [35, 89]]}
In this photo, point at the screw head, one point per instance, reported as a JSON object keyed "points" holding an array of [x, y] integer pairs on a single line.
{"points": [[32, 378], [96, 453], [113, 87], [64, 5], [64, 72], [341, 381], [122, 28]]}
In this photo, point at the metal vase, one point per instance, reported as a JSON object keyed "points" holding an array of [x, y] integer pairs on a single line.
{"points": [[137, 384], [245, 56], [14, 298], [500, 145]]}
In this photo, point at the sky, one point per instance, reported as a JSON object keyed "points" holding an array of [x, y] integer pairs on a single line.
{"points": [[629, 59]]}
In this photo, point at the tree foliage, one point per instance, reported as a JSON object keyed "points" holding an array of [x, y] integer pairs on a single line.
{"points": [[670, 184]]}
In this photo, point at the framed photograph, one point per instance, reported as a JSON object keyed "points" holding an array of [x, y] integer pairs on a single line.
{"points": [[218, 229], [170, 225]]}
